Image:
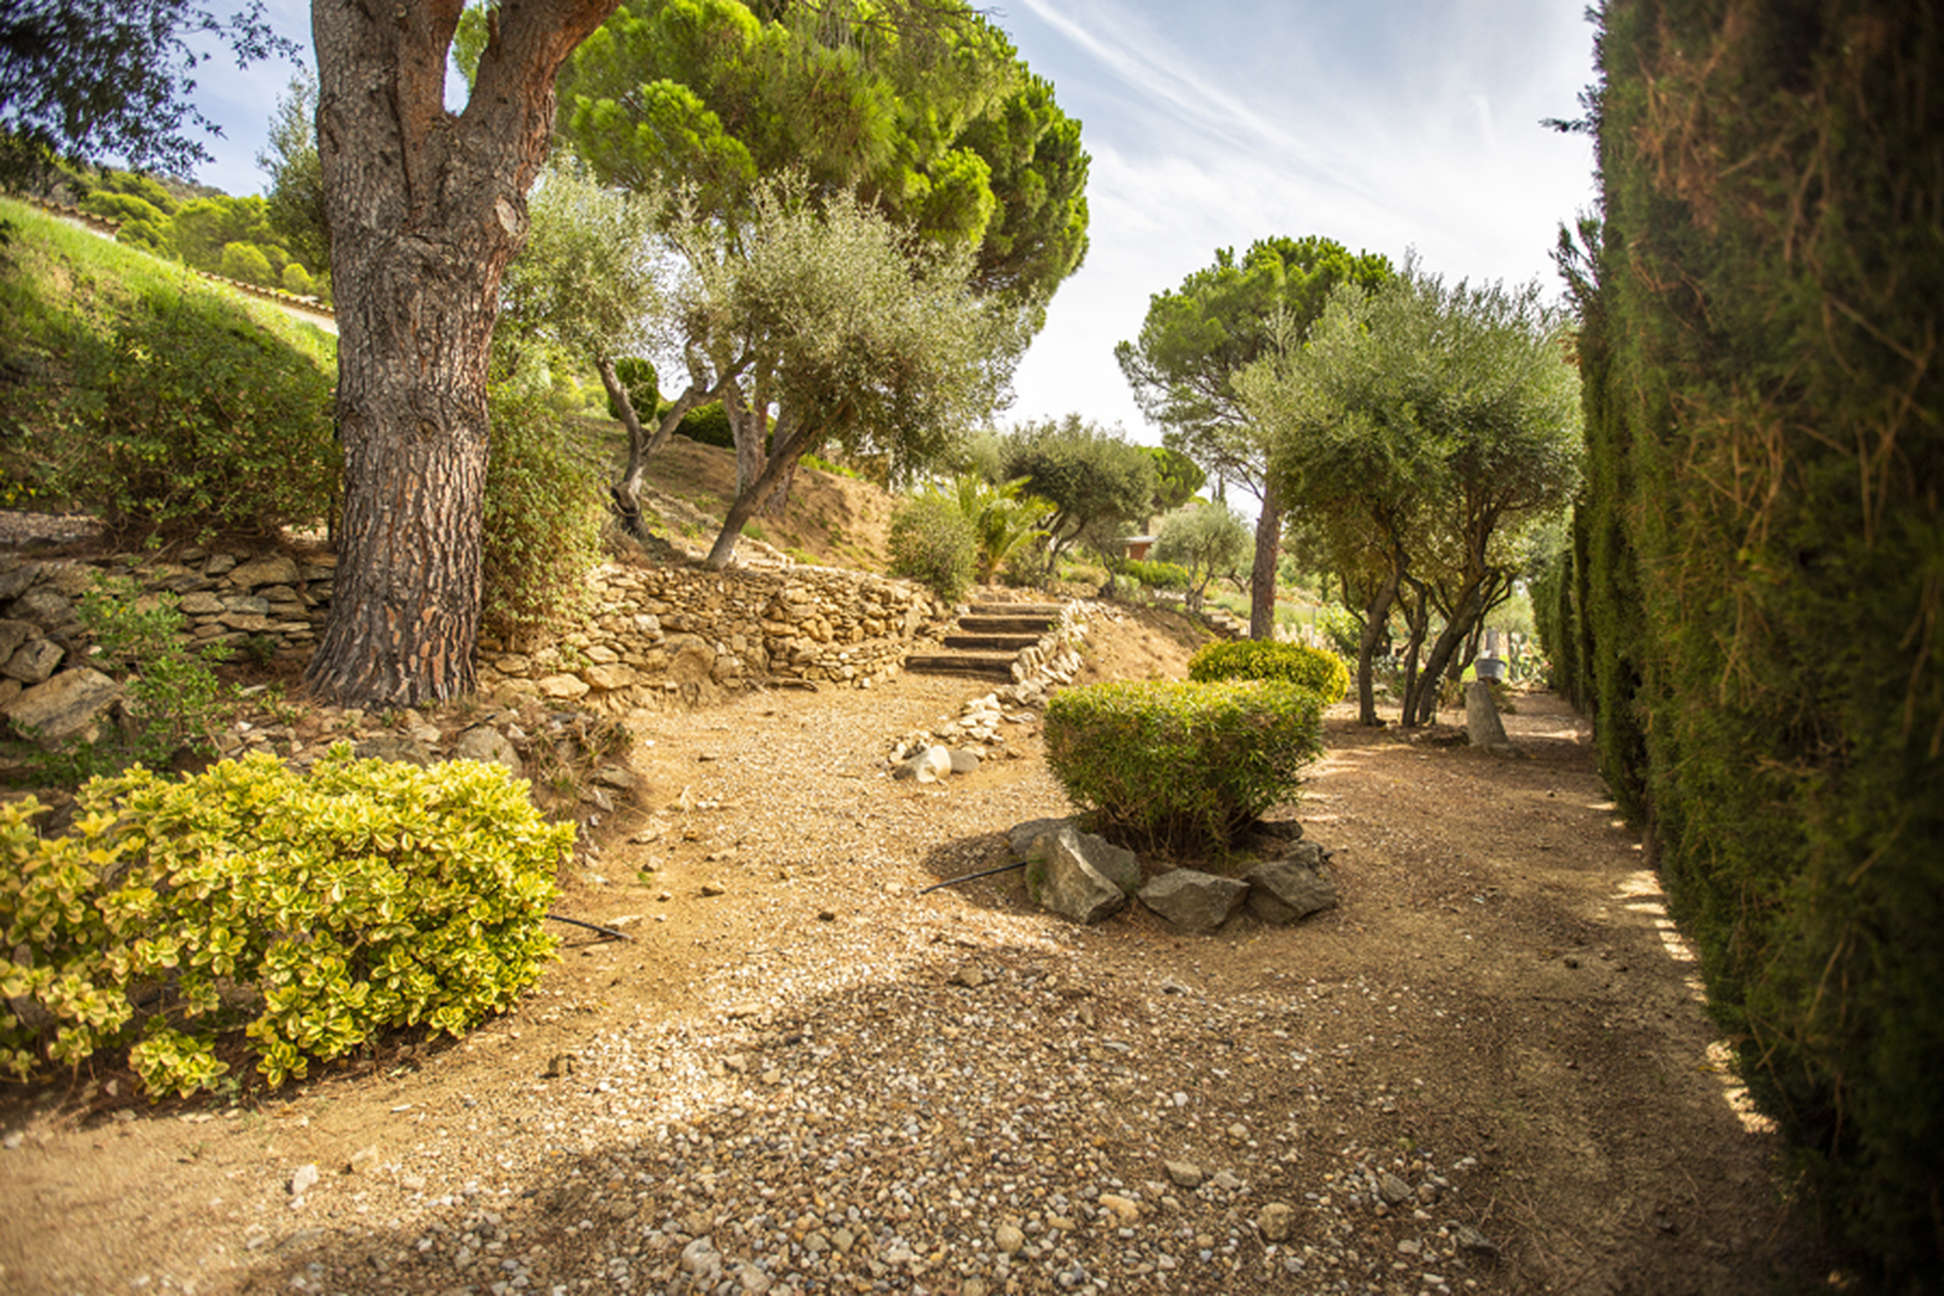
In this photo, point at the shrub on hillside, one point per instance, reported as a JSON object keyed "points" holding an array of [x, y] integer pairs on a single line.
{"points": [[1157, 575], [708, 424], [187, 419], [1181, 765], [543, 516], [643, 386], [934, 544], [313, 911], [1322, 673]]}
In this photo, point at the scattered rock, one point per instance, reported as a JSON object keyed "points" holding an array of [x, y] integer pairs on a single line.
{"points": [[1283, 891], [1125, 1209], [1194, 901], [35, 660], [1185, 1174], [928, 766], [1276, 1222], [362, 1161], [1470, 1239], [1061, 876], [485, 743], [69, 707], [303, 1179], [968, 976], [1393, 1189], [1008, 1238], [392, 747], [964, 760], [714, 889]]}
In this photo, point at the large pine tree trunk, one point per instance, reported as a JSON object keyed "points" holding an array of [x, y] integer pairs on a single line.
{"points": [[426, 208], [1262, 578]]}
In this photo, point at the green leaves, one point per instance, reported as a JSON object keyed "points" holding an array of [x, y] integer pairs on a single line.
{"points": [[1181, 765], [361, 897], [1322, 673]]}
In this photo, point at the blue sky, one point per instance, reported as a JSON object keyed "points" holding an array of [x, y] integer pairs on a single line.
{"points": [[1388, 125]]}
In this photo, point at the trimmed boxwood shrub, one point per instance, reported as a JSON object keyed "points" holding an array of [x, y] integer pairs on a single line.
{"points": [[310, 910], [935, 544], [1157, 575], [1181, 765], [1322, 673]]}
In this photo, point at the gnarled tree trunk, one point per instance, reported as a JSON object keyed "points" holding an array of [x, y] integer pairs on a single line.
{"points": [[1262, 577], [426, 208]]}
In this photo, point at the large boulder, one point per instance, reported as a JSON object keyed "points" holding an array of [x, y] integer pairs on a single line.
{"points": [[1061, 876], [1194, 901], [485, 743], [69, 707], [1283, 891]]}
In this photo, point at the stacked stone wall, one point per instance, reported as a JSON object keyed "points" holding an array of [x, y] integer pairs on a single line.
{"points": [[650, 635]]}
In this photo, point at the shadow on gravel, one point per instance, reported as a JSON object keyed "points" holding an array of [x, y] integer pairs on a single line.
{"points": [[865, 1138]]}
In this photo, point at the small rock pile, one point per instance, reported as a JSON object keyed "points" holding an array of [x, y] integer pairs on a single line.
{"points": [[1086, 879]]}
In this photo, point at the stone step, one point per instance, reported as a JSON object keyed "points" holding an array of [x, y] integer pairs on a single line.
{"points": [[1022, 625], [984, 667], [1010, 643], [1050, 610]]}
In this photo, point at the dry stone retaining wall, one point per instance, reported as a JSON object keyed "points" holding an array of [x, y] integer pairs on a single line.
{"points": [[652, 635], [662, 634]]}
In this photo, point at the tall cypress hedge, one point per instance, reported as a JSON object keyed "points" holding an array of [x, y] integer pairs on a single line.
{"points": [[1760, 560]]}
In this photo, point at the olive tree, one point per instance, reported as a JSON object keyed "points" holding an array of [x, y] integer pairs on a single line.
{"points": [[1207, 539], [1419, 428]]}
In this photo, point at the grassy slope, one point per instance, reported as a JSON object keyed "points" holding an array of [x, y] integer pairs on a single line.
{"points": [[59, 283], [56, 276]]}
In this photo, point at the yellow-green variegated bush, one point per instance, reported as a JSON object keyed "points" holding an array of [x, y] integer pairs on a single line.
{"points": [[309, 910]]}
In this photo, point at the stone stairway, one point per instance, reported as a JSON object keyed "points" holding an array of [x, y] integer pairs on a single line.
{"points": [[989, 638]]}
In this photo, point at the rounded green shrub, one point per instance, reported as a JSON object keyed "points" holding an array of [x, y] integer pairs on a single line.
{"points": [[708, 424], [1157, 575], [643, 387], [1321, 672], [311, 910], [1181, 765], [935, 544]]}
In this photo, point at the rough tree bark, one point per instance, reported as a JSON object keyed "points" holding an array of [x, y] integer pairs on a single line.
{"points": [[1376, 614], [792, 442], [1262, 578], [426, 208]]}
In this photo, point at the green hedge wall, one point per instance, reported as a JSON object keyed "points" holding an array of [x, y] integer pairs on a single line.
{"points": [[1758, 573]]}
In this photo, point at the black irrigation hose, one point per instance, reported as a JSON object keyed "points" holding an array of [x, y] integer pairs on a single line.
{"points": [[973, 877], [605, 931]]}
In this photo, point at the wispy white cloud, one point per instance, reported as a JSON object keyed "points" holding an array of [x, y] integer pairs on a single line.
{"points": [[1415, 127]]}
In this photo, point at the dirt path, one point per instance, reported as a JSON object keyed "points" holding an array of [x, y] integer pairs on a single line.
{"points": [[1487, 1071]]}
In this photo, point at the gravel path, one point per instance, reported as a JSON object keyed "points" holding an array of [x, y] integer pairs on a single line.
{"points": [[805, 1078]]}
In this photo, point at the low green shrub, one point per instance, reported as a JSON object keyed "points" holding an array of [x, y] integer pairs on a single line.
{"points": [[173, 697], [187, 420], [643, 386], [311, 910], [543, 513], [708, 424], [1321, 672], [934, 544], [1157, 575], [1181, 765]]}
